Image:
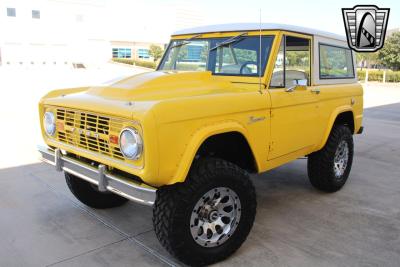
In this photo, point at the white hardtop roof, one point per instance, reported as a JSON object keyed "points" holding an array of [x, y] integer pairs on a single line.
{"points": [[233, 27]]}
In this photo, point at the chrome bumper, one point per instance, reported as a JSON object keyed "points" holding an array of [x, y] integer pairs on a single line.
{"points": [[99, 176]]}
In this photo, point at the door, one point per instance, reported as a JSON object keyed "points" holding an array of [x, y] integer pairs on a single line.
{"points": [[294, 103]]}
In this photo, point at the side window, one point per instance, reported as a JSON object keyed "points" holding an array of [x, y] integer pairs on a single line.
{"points": [[241, 58], [297, 61], [335, 62], [292, 65], [278, 75]]}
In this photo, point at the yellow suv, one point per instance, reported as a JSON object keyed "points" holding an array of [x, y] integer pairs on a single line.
{"points": [[225, 101]]}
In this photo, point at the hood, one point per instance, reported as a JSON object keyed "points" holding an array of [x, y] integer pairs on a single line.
{"points": [[164, 93], [158, 85], [137, 93]]}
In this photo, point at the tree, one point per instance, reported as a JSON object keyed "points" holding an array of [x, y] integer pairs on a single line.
{"points": [[367, 59], [390, 53], [156, 52]]}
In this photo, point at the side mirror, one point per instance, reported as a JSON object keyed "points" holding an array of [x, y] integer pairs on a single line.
{"points": [[299, 85]]}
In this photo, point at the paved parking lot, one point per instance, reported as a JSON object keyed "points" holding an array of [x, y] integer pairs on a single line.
{"points": [[42, 224]]}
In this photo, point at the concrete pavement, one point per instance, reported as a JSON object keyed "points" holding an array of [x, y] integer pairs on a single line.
{"points": [[44, 225]]}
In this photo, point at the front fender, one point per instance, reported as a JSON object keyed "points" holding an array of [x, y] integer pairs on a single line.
{"points": [[197, 140]]}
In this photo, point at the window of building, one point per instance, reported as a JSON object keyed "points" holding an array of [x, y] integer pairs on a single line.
{"points": [[11, 12], [335, 62], [143, 53], [292, 64], [121, 53], [36, 14], [194, 52]]}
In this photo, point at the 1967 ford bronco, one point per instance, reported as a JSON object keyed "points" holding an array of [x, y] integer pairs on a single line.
{"points": [[225, 101]]}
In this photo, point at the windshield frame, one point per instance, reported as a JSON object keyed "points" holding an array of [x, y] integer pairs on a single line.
{"points": [[170, 46], [209, 67]]}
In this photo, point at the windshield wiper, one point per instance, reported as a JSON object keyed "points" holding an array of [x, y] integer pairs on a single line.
{"points": [[231, 40], [186, 41]]}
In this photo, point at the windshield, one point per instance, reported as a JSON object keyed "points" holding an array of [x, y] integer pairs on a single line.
{"points": [[237, 55]]}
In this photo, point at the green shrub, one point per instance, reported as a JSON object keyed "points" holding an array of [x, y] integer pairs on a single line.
{"points": [[361, 75], [377, 75], [393, 76], [140, 63]]}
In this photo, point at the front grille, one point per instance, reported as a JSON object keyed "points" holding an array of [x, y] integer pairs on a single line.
{"points": [[88, 131]]}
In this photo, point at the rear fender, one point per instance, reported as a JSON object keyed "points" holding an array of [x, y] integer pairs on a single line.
{"points": [[331, 122]]}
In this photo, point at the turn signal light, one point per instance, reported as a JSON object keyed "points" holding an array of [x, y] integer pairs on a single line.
{"points": [[114, 139], [60, 126]]}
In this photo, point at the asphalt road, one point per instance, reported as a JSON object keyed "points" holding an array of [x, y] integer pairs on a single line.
{"points": [[42, 224]]}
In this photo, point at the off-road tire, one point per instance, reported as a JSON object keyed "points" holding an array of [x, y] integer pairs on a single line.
{"points": [[90, 196], [320, 164], [174, 205]]}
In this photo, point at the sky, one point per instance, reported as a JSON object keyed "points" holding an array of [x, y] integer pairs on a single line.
{"points": [[159, 17]]}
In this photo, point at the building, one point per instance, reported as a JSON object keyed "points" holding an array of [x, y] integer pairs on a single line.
{"points": [[44, 33], [52, 32], [135, 42], [133, 50]]}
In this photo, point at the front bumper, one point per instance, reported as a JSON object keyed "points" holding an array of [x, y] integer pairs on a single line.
{"points": [[99, 176]]}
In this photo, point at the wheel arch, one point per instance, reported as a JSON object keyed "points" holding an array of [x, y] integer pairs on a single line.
{"points": [[211, 136], [342, 115]]}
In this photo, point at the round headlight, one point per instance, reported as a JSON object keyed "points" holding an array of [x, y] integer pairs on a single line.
{"points": [[49, 123], [130, 143]]}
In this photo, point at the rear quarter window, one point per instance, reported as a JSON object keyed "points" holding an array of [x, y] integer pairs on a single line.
{"points": [[335, 62]]}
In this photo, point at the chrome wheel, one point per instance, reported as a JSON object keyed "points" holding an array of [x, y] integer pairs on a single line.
{"points": [[341, 158], [215, 217]]}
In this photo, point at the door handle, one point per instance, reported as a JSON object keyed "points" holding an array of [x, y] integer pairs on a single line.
{"points": [[315, 91]]}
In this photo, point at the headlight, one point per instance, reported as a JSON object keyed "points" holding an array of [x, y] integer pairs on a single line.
{"points": [[130, 143], [49, 123]]}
